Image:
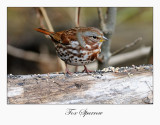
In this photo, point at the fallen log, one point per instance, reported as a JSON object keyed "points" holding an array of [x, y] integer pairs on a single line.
{"points": [[124, 85]]}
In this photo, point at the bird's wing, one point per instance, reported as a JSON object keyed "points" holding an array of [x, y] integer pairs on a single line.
{"points": [[62, 37]]}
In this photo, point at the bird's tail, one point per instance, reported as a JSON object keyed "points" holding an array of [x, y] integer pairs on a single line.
{"points": [[46, 32]]}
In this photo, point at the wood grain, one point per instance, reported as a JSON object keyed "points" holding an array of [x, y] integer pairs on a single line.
{"points": [[124, 85]]}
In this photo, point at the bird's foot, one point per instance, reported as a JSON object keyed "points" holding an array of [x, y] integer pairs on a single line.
{"points": [[86, 70]]}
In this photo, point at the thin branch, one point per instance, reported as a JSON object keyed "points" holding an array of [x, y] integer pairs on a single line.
{"points": [[40, 17], [127, 46], [49, 25], [77, 15], [43, 14], [124, 57], [27, 55], [33, 56], [101, 19]]}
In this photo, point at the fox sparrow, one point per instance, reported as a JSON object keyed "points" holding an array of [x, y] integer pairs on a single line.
{"points": [[77, 46]]}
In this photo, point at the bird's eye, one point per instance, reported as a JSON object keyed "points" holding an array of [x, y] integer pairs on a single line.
{"points": [[94, 37]]}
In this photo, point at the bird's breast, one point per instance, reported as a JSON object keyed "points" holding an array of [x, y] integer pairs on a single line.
{"points": [[74, 54]]}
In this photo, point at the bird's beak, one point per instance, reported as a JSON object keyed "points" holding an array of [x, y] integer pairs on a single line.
{"points": [[103, 39]]}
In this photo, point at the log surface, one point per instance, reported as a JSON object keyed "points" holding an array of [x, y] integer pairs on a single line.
{"points": [[125, 85]]}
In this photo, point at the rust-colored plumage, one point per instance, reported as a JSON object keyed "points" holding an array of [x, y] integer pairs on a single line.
{"points": [[78, 46]]}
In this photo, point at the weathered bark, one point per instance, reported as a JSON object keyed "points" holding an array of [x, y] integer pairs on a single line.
{"points": [[125, 85]]}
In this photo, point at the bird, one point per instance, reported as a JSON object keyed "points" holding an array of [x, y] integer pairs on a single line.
{"points": [[77, 46]]}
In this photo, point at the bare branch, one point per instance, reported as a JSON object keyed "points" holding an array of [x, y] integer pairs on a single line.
{"points": [[120, 58], [49, 25], [40, 17], [101, 19], [111, 14], [77, 15], [27, 55], [43, 14], [127, 46], [108, 29]]}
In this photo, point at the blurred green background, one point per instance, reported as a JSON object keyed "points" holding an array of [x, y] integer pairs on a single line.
{"points": [[131, 23]]}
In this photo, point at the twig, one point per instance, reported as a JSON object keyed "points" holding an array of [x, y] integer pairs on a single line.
{"points": [[41, 58], [101, 19], [49, 25], [27, 55], [77, 15], [43, 14], [127, 46], [40, 17], [124, 57]]}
